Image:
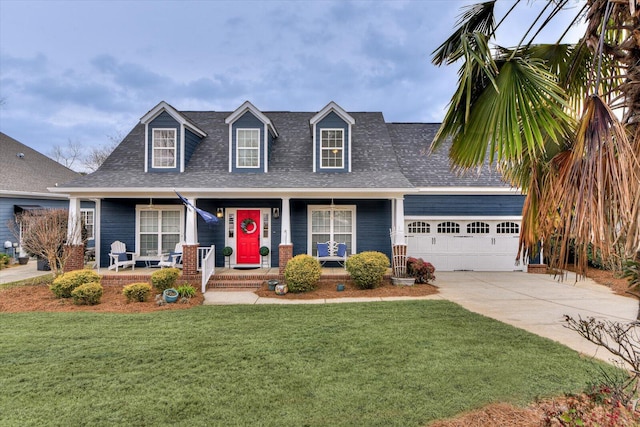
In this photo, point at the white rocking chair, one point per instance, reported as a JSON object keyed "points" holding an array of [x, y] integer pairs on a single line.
{"points": [[119, 257], [173, 258]]}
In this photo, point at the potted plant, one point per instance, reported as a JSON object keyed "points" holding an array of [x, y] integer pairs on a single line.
{"points": [[170, 295], [264, 251], [227, 251]]}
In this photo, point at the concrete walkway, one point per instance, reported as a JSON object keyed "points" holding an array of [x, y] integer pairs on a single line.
{"points": [[533, 302], [21, 272]]}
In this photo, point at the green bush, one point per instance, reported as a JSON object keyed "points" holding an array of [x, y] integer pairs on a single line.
{"points": [[87, 294], [64, 284], [631, 272], [165, 278], [302, 273], [137, 292], [367, 269], [186, 291], [4, 260]]}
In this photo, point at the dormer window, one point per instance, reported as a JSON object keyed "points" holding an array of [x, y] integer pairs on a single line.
{"points": [[164, 148], [251, 134], [170, 139], [248, 148], [331, 130], [332, 148]]}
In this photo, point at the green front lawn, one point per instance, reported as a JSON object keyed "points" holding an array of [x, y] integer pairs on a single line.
{"points": [[391, 363]]}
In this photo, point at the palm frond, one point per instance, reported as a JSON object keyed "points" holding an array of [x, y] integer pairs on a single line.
{"points": [[477, 18], [595, 188], [519, 113]]}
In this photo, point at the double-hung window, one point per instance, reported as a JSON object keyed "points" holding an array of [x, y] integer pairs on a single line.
{"points": [[332, 148], [248, 148], [164, 148], [158, 229], [332, 223], [88, 216]]}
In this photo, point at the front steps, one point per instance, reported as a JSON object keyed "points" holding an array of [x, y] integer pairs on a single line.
{"points": [[240, 281]]}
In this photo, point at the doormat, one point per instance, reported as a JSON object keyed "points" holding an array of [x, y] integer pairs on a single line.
{"points": [[246, 268]]}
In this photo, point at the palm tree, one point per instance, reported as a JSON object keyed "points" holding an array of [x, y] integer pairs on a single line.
{"points": [[559, 120]]}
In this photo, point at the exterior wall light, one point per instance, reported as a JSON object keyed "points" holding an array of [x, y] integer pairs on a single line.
{"points": [[220, 212]]}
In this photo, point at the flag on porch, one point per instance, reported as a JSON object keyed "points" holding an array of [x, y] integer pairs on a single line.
{"points": [[208, 217]]}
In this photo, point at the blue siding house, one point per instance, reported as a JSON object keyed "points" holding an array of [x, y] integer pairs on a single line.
{"points": [[289, 180], [27, 177]]}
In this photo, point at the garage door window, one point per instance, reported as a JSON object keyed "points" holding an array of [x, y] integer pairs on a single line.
{"points": [[449, 227], [508, 228], [478, 227], [419, 227]]}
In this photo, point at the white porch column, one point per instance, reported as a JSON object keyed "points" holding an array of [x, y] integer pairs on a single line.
{"points": [[191, 232], [398, 226], [285, 216], [74, 224]]}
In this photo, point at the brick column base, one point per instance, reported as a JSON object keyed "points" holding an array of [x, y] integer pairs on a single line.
{"points": [[74, 258], [189, 259], [285, 253]]}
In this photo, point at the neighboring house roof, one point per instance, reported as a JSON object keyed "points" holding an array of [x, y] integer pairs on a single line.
{"points": [[27, 171], [411, 143], [384, 156]]}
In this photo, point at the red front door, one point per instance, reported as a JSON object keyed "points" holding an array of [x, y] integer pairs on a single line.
{"points": [[248, 241]]}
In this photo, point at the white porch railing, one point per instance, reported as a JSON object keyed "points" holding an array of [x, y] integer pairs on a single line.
{"points": [[202, 253], [208, 265]]}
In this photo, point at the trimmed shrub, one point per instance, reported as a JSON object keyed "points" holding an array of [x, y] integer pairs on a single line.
{"points": [[87, 294], [367, 268], [302, 273], [137, 292], [186, 291], [165, 278], [64, 284]]}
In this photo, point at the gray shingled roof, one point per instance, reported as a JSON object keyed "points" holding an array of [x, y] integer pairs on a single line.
{"points": [[31, 173], [383, 155], [411, 143]]}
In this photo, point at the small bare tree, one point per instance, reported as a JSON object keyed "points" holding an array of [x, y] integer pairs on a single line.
{"points": [[621, 340], [67, 155], [98, 155], [43, 234]]}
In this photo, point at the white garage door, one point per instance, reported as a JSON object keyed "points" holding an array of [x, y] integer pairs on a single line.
{"points": [[477, 244]]}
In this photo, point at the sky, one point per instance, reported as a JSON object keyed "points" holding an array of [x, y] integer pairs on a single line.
{"points": [[85, 72]]}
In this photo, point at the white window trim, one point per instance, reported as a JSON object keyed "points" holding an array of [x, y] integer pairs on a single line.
{"points": [[82, 213], [333, 208], [141, 208], [341, 130], [153, 148], [257, 149]]}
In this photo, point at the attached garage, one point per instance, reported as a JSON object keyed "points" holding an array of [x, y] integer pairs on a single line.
{"points": [[454, 244]]}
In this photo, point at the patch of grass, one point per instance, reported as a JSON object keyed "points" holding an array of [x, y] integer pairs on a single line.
{"points": [[392, 363], [45, 279]]}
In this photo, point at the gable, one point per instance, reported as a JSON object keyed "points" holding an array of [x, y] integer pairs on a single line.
{"points": [[170, 139]]}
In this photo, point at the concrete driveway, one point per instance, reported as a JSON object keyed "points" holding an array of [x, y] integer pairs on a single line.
{"points": [[538, 303]]}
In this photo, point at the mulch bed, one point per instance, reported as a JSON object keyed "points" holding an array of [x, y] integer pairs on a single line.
{"points": [[327, 289], [40, 298]]}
